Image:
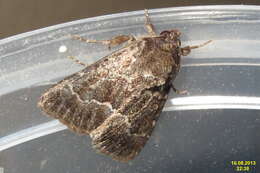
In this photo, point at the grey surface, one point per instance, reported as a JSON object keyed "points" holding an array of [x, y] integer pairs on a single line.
{"points": [[186, 140]]}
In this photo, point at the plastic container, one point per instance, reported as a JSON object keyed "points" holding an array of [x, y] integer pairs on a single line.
{"points": [[216, 123]]}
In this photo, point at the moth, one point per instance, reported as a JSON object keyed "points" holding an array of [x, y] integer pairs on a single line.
{"points": [[118, 99]]}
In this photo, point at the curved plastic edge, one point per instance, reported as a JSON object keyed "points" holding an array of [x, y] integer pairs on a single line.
{"points": [[182, 103], [125, 14]]}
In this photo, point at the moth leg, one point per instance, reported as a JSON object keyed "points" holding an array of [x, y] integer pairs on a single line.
{"points": [[149, 26], [117, 40], [186, 50], [182, 92], [77, 61]]}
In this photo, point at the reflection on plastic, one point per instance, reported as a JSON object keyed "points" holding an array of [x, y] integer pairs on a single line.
{"points": [[30, 134], [181, 103], [214, 102]]}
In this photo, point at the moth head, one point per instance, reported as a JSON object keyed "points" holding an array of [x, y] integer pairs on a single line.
{"points": [[172, 35]]}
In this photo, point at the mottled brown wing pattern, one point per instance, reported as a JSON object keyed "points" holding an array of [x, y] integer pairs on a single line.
{"points": [[116, 100], [125, 132], [84, 100]]}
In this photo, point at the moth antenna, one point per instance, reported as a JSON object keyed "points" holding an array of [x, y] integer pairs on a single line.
{"points": [[77, 61], [186, 50], [200, 45], [115, 41]]}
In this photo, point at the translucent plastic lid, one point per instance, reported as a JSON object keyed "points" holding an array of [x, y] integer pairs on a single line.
{"points": [[216, 123]]}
